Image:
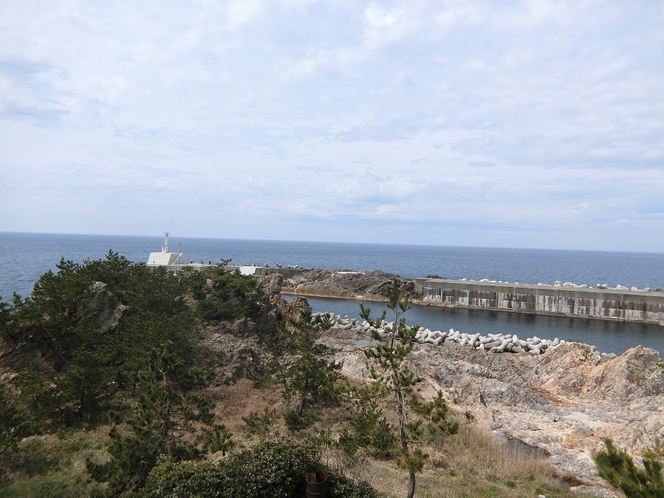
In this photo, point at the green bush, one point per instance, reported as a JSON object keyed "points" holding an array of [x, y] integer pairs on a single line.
{"points": [[269, 469], [224, 295], [310, 378], [260, 425], [296, 421], [274, 469], [618, 468]]}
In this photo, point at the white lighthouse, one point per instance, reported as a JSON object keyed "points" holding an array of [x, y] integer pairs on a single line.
{"points": [[164, 258]]}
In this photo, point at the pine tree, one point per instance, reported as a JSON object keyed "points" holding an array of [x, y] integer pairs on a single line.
{"points": [[617, 467], [395, 380], [172, 422], [309, 378]]}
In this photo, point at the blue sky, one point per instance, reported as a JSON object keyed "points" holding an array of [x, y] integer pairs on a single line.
{"points": [[510, 124]]}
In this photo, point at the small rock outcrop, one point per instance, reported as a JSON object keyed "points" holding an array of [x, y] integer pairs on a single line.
{"points": [[343, 284], [243, 356], [240, 341], [101, 305]]}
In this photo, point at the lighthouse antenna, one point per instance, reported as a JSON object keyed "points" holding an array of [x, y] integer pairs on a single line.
{"points": [[165, 246]]}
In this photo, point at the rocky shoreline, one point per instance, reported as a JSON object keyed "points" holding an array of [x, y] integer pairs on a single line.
{"points": [[561, 401]]}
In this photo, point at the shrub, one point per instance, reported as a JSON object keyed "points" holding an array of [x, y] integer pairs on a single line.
{"points": [[618, 468], [274, 469], [260, 425], [269, 469], [296, 421], [309, 378]]}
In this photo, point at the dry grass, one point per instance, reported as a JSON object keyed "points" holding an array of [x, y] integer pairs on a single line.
{"points": [[476, 449], [469, 464], [240, 399]]}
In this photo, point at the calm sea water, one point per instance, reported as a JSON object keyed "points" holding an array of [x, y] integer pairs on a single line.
{"points": [[26, 256]]}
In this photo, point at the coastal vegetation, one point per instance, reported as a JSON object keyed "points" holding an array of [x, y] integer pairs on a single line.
{"points": [[617, 467], [394, 379], [308, 377], [108, 367], [120, 380]]}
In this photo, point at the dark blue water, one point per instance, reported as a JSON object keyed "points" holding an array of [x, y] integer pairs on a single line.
{"points": [[610, 337], [24, 257]]}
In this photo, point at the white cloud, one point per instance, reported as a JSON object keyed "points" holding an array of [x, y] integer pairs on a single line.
{"points": [[240, 12], [530, 116], [379, 18]]}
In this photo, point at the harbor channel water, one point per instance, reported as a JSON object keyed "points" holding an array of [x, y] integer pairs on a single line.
{"points": [[607, 336]]}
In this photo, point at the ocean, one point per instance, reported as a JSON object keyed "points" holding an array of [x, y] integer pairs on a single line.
{"points": [[25, 256]]}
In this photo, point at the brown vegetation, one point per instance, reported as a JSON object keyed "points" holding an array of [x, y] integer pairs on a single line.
{"points": [[471, 463]]}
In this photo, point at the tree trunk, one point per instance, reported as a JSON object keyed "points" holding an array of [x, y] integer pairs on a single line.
{"points": [[411, 484], [404, 440]]}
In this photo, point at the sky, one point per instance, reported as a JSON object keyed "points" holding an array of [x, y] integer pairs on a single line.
{"points": [[531, 124]]}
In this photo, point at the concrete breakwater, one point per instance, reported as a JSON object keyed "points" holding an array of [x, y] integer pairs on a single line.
{"points": [[620, 304], [493, 343]]}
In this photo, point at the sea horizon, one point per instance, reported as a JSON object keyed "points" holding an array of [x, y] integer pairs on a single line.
{"points": [[198, 237], [26, 255]]}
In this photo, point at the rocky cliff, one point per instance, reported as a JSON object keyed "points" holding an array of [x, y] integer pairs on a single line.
{"points": [[560, 403]]}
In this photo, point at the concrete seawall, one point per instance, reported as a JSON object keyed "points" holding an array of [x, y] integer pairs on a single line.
{"points": [[603, 304]]}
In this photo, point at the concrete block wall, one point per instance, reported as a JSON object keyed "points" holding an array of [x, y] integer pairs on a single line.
{"points": [[605, 304]]}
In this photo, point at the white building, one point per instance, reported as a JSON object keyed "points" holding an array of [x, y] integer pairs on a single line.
{"points": [[164, 258]]}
